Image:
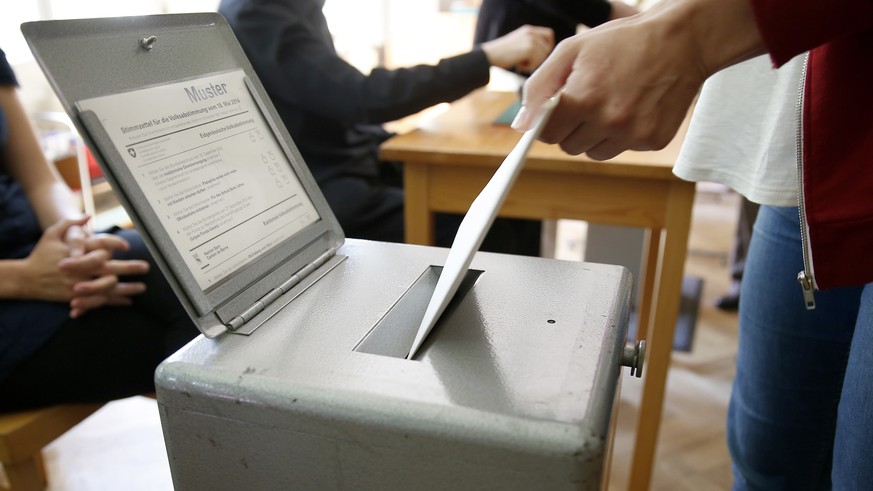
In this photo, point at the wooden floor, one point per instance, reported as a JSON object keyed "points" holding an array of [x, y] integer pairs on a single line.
{"points": [[121, 446]]}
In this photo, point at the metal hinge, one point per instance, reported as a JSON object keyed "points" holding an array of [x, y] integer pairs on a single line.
{"points": [[274, 294]]}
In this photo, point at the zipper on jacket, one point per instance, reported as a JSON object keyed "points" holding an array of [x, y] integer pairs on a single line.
{"points": [[805, 277]]}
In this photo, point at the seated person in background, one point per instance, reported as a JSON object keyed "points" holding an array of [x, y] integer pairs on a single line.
{"points": [[498, 17], [334, 112], [72, 327]]}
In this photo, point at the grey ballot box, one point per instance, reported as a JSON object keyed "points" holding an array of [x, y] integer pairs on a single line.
{"points": [[513, 389]]}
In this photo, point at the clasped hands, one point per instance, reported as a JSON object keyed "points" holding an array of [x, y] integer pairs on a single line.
{"points": [[70, 264]]}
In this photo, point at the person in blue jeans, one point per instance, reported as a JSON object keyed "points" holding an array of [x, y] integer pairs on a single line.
{"points": [[783, 427], [796, 363], [796, 140]]}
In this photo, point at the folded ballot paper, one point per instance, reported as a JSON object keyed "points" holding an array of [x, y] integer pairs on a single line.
{"points": [[475, 226]]}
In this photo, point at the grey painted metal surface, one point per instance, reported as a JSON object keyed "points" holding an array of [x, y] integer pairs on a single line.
{"points": [[513, 390]]}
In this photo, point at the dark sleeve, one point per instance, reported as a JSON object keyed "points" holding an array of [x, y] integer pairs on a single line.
{"points": [[500, 17], [592, 13], [292, 51], [7, 76]]}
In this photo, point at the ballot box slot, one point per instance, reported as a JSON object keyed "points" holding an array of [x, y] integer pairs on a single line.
{"points": [[394, 333]]}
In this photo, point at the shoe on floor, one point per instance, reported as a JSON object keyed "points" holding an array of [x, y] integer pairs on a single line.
{"points": [[731, 300]]}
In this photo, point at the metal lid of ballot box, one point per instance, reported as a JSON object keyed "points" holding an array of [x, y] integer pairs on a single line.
{"points": [[106, 72]]}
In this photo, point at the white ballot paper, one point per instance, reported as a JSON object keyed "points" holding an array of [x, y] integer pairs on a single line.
{"points": [[210, 168], [475, 226]]}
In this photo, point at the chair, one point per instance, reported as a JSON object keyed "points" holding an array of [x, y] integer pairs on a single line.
{"points": [[23, 436]]}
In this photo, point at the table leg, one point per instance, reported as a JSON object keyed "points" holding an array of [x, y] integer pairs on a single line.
{"points": [[667, 295], [652, 246], [418, 219]]}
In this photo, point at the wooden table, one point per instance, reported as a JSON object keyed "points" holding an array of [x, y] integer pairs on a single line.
{"points": [[449, 158]]}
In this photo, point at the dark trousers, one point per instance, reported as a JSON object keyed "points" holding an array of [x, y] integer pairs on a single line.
{"points": [[372, 208], [745, 223]]}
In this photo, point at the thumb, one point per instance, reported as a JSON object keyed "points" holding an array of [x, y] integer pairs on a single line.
{"points": [[58, 230], [545, 82]]}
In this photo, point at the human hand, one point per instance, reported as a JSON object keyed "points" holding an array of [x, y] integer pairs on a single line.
{"points": [[75, 236], [101, 285], [624, 85], [87, 281], [523, 49], [628, 84], [41, 278]]}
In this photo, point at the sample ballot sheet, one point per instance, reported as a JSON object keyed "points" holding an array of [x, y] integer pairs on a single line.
{"points": [[210, 167]]}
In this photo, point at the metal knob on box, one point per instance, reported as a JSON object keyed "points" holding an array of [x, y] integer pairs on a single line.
{"points": [[634, 355]]}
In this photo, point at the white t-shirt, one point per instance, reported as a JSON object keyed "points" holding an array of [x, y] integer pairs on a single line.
{"points": [[743, 131]]}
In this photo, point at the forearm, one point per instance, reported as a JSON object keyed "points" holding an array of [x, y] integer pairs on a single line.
{"points": [[393, 94], [723, 32], [52, 202], [50, 198]]}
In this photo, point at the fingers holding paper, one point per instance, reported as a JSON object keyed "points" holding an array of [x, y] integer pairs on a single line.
{"points": [[625, 85]]}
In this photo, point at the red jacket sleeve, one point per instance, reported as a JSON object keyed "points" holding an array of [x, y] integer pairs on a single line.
{"points": [[791, 27]]}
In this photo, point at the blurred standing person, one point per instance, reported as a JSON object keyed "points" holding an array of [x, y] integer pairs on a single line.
{"points": [[498, 17], [739, 250]]}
